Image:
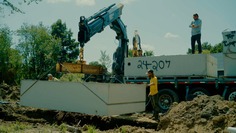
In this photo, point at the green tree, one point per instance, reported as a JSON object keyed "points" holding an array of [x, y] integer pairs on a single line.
{"points": [[13, 5], [95, 63], [130, 53], [5, 46], [148, 53], [40, 50], [69, 48], [217, 48], [10, 59], [208, 48], [205, 46], [15, 69], [105, 60]]}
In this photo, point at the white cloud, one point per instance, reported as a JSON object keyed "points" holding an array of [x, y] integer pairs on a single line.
{"points": [[127, 1], [85, 2], [57, 1], [171, 35]]}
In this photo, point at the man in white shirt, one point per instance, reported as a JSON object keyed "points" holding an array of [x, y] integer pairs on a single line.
{"points": [[196, 26]]}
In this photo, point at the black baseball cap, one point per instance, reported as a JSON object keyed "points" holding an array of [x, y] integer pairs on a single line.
{"points": [[150, 71]]}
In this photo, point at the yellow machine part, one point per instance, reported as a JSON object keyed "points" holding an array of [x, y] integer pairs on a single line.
{"points": [[79, 68]]}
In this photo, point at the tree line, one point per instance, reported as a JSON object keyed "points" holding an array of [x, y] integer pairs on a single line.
{"points": [[38, 49], [208, 48]]}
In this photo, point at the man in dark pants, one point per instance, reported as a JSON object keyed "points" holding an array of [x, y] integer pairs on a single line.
{"points": [[153, 85], [196, 26]]}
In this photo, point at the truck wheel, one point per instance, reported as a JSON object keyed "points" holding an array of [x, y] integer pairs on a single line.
{"points": [[231, 94], [198, 91], [165, 99]]}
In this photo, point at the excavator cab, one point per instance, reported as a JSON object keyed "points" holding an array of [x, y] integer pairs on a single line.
{"points": [[137, 50]]}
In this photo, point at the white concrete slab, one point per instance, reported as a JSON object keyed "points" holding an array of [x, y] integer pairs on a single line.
{"points": [[230, 65], [172, 65], [90, 98]]}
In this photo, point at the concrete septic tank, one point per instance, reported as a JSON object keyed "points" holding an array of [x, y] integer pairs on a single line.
{"points": [[102, 99], [172, 65], [230, 65]]}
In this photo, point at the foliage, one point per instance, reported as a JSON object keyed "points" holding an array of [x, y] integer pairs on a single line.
{"points": [[91, 129], [130, 53], [39, 49], [105, 60], [14, 127], [96, 63], [148, 53], [15, 70], [72, 77], [10, 59], [217, 48], [5, 44], [12, 5], [69, 48], [63, 128], [123, 130], [208, 48]]}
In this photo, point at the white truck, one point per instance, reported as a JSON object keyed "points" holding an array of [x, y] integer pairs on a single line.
{"points": [[181, 77]]}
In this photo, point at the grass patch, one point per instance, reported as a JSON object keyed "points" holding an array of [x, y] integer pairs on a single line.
{"points": [[14, 127], [123, 130], [63, 128], [91, 129]]}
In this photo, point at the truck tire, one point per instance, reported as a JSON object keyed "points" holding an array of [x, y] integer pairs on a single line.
{"points": [[193, 92], [231, 94], [165, 99]]}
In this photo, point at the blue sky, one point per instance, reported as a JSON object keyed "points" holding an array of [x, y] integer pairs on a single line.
{"points": [[162, 24]]}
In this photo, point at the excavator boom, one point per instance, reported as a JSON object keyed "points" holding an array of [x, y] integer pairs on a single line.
{"points": [[94, 24], [97, 22], [88, 27]]}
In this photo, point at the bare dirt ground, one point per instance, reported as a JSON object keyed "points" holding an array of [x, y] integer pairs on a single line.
{"points": [[203, 114]]}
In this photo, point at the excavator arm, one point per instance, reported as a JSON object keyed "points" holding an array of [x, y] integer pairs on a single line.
{"points": [[88, 27]]}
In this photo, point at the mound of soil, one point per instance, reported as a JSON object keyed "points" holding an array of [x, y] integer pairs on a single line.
{"points": [[9, 93], [209, 114]]}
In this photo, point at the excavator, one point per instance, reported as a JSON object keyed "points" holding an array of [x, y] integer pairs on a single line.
{"points": [[94, 24]]}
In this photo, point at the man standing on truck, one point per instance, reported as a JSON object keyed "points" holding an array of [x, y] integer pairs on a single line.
{"points": [[153, 94], [196, 26]]}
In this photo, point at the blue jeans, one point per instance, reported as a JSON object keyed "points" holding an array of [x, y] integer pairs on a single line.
{"points": [[154, 102], [197, 38]]}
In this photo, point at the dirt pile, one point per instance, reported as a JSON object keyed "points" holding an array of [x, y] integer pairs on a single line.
{"points": [[9, 93], [202, 114], [10, 110]]}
